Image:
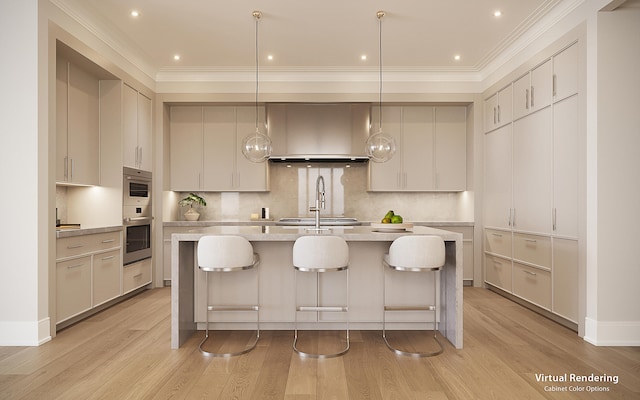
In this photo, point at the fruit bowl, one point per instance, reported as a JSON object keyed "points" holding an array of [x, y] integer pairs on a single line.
{"points": [[379, 227]]}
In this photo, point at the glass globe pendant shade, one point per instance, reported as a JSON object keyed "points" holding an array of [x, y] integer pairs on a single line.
{"points": [[380, 147], [256, 147]]}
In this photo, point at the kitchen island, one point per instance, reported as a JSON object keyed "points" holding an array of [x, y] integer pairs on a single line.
{"points": [[274, 244]]}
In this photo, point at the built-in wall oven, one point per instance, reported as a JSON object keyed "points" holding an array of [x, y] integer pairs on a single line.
{"points": [[136, 214]]}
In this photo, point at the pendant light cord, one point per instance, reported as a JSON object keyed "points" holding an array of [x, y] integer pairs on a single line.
{"points": [[380, 14], [257, 16]]}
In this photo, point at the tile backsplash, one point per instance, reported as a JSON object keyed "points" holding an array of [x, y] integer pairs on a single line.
{"points": [[293, 189]]}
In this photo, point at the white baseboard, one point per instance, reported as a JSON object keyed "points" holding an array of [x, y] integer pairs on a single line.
{"points": [[612, 333], [25, 333]]}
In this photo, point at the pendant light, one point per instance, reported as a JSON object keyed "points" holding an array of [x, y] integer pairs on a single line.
{"points": [[256, 146], [380, 147]]}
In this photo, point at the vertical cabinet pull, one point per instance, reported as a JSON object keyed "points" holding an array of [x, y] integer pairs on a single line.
{"points": [[495, 115], [553, 217], [532, 97], [526, 99], [499, 113], [554, 87]]}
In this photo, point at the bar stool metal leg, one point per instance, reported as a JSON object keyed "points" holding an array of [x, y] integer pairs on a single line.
{"points": [[317, 308], [433, 308], [255, 308]]}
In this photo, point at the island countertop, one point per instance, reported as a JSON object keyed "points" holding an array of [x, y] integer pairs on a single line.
{"points": [[274, 245]]}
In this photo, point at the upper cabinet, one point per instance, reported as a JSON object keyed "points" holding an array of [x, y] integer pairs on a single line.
{"points": [[566, 73], [533, 91], [430, 149], [497, 109], [137, 129], [205, 149], [77, 125]]}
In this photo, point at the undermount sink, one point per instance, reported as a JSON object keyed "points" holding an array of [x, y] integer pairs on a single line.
{"points": [[324, 221]]}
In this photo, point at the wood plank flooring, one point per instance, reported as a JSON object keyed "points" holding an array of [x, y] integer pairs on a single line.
{"points": [[124, 353]]}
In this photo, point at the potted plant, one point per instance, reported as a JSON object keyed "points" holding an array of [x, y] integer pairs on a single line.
{"points": [[190, 200]]}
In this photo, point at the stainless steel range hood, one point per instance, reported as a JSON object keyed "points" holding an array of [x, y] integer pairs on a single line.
{"points": [[318, 131]]}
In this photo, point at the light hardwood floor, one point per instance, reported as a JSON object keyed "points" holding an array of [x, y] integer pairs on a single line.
{"points": [[124, 353]]}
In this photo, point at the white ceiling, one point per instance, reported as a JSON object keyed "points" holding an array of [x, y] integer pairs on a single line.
{"points": [[417, 35]]}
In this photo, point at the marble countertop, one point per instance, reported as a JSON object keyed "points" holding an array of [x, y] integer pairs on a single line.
{"points": [[286, 233], [71, 232], [263, 222]]}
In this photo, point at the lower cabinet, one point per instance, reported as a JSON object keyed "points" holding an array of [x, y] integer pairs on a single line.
{"points": [[136, 275], [541, 269], [73, 287], [106, 276], [532, 284], [89, 273]]}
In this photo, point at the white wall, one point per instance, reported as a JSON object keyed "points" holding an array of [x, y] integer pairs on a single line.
{"points": [[614, 315], [23, 150]]}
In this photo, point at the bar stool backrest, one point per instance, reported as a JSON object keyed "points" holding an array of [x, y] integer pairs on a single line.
{"points": [[419, 251], [224, 251], [320, 252]]}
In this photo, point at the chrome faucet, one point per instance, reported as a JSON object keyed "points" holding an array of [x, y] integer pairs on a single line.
{"points": [[319, 200]]}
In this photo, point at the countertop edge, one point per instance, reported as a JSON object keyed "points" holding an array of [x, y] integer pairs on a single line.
{"points": [[271, 223], [86, 231]]}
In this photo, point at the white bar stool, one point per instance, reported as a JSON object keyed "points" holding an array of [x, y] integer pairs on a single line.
{"points": [[224, 254], [320, 254], [418, 253]]}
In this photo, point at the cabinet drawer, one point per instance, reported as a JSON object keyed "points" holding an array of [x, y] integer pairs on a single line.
{"points": [[532, 249], [532, 284], [136, 275], [106, 276], [498, 272], [73, 287], [497, 242], [73, 246]]}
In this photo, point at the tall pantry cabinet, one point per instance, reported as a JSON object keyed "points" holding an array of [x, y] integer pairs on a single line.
{"points": [[531, 169]]}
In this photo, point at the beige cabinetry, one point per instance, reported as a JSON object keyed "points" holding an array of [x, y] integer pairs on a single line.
{"points": [[217, 132], [137, 129], [531, 178], [77, 125], [136, 275], [430, 149], [87, 272], [532, 152], [497, 109], [533, 91], [497, 177]]}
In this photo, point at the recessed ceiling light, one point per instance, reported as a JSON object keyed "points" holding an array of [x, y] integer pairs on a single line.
{"points": [[135, 13], [176, 57], [363, 57], [457, 57], [497, 13], [269, 57]]}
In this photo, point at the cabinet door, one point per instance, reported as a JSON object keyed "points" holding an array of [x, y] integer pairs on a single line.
{"points": [[219, 148], [565, 167], [505, 106], [73, 287], [497, 177], [145, 150], [186, 148], [387, 176], [565, 278], [130, 128], [450, 148], [498, 272], [565, 73], [61, 119], [522, 96], [532, 172], [136, 275], [418, 148], [491, 113], [106, 276], [541, 86], [83, 129], [250, 176]]}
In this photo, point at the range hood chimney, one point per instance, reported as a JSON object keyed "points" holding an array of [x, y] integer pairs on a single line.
{"points": [[318, 131]]}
